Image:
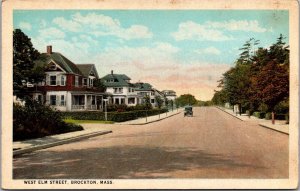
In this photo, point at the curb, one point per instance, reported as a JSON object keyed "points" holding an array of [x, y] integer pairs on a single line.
{"points": [[265, 126], [152, 121], [61, 142], [229, 113], [274, 129]]}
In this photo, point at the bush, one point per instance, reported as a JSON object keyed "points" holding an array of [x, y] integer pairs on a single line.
{"points": [[112, 116], [268, 116], [282, 107], [277, 116], [259, 115], [35, 120]]}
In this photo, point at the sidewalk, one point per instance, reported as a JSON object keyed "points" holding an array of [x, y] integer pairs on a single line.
{"points": [[279, 125], [151, 119], [21, 147]]}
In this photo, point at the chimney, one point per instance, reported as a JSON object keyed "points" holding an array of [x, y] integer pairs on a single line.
{"points": [[112, 72], [49, 49]]}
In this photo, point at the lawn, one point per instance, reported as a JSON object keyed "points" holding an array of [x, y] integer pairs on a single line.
{"points": [[86, 121]]}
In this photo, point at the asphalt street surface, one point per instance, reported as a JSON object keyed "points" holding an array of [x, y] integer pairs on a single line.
{"points": [[211, 144]]}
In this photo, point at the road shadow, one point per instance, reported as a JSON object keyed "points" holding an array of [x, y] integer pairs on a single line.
{"points": [[119, 162]]}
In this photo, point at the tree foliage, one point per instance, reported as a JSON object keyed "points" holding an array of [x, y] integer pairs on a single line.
{"points": [[260, 78], [159, 101], [24, 70], [186, 99]]}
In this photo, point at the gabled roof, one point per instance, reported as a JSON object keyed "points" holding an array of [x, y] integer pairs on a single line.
{"points": [[140, 86], [59, 59], [119, 80], [86, 69]]}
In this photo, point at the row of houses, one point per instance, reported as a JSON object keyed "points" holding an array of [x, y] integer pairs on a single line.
{"points": [[70, 87]]}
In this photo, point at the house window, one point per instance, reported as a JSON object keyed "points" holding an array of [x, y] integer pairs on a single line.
{"points": [[152, 93], [91, 82], [62, 100], [122, 100], [117, 101], [118, 90], [84, 81], [131, 100], [152, 100], [76, 81], [53, 80], [52, 99], [63, 81]]}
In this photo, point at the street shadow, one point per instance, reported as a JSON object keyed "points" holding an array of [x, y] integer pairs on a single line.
{"points": [[118, 162]]}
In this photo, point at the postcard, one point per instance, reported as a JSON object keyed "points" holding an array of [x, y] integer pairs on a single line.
{"points": [[146, 94]]}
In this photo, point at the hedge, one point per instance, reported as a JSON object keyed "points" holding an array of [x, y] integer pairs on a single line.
{"points": [[259, 115], [278, 116], [111, 116]]}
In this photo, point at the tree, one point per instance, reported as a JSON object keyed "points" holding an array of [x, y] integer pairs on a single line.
{"points": [[99, 85], [24, 69], [186, 99], [273, 84], [147, 102], [159, 101]]}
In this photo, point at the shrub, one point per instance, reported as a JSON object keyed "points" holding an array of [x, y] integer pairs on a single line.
{"points": [[282, 107], [259, 115], [35, 120], [112, 116], [268, 116]]}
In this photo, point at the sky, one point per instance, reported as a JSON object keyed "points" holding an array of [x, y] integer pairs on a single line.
{"points": [[183, 50]]}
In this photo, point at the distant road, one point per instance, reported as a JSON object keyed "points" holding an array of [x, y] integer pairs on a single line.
{"points": [[212, 144]]}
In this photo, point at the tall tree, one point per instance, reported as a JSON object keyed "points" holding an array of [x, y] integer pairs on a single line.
{"points": [[186, 99], [24, 69]]}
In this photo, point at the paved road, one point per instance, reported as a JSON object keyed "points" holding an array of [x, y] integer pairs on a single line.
{"points": [[212, 144]]}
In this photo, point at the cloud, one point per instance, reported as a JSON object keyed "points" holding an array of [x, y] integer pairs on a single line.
{"points": [[67, 24], [193, 31], [102, 25], [209, 50], [238, 25], [52, 33], [25, 25], [214, 31]]}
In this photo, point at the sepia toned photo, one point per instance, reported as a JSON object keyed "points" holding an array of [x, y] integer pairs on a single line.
{"points": [[176, 94]]}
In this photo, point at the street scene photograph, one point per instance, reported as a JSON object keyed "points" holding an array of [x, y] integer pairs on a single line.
{"points": [[100, 95]]}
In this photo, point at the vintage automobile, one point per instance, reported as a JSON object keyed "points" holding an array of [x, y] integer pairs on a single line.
{"points": [[188, 111]]}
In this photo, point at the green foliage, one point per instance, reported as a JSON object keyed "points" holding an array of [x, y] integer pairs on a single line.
{"points": [[111, 116], [147, 102], [259, 115], [24, 69], [159, 101], [99, 85], [36, 120], [186, 99], [204, 103], [282, 107], [259, 81]]}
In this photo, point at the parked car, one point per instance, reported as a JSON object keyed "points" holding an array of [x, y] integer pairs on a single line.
{"points": [[188, 111]]}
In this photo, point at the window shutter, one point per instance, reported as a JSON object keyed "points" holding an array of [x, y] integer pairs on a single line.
{"points": [[57, 100], [47, 99], [48, 80]]}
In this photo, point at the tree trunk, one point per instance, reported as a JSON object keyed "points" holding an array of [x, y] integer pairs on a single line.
{"points": [[273, 117]]}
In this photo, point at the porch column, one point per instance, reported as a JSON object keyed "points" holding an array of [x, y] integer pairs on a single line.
{"points": [[102, 102], [96, 102], [85, 101]]}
